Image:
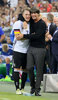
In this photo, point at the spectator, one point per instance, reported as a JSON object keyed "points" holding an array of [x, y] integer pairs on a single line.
{"points": [[1, 3], [31, 3], [6, 55], [51, 29], [56, 21], [54, 50], [2, 35]]}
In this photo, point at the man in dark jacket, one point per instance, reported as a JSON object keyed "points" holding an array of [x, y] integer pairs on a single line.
{"points": [[54, 50]]}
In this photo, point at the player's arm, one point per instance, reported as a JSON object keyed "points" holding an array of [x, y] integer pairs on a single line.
{"points": [[2, 37], [17, 30]]}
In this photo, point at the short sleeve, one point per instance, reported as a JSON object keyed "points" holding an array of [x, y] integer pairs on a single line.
{"points": [[1, 31], [17, 25]]}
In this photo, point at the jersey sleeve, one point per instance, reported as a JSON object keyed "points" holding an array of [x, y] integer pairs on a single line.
{"points": [[1, 31], [17, 25]]}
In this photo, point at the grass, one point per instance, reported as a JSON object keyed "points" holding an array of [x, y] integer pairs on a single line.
{"points": [[13, 96], [7, 92]]}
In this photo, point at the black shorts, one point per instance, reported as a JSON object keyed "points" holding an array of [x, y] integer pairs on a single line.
{"points": [[20, 59]]}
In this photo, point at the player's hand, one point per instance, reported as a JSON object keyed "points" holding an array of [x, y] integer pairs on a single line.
{"points": [[49, 36], [19, 36], [25, 25]]}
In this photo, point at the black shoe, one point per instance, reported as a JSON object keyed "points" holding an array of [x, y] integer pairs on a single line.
{"points": [[37, 94], [39, 89], [32, 90]]}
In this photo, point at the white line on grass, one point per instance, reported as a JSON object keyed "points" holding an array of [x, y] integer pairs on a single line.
{"points": [[4, 99]]}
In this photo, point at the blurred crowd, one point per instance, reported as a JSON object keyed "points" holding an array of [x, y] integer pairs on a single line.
{"points": [[8, 14]]}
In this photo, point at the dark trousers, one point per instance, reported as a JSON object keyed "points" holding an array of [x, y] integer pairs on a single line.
{"points": [[54, 64], [35, 56]]}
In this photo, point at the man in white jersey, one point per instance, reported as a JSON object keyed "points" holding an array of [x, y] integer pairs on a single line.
{"points": [[20, 48]]}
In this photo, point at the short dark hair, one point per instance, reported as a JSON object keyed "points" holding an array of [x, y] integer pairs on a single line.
{"points": [[35, 10], [50, 17]]}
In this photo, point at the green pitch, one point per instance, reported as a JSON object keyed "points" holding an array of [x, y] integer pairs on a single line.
{"points": [[13, 96], [7, 92]]}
